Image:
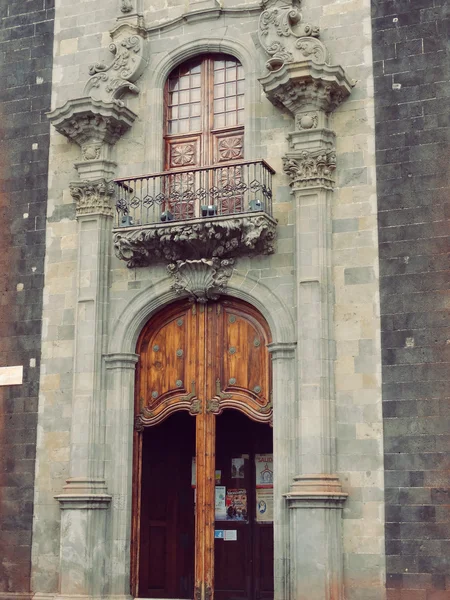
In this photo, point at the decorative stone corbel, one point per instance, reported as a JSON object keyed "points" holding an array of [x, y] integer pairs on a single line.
{"points": [[95, 126], [203, 279]]}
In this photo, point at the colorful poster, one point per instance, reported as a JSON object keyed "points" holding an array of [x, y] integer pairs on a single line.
{"points": [[236, 505], [264, 470], [220, 507], [237, 468], [264, 505]]}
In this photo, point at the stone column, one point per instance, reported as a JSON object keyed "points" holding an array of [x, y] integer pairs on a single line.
{"points": [[301, 81], [85, 501]]}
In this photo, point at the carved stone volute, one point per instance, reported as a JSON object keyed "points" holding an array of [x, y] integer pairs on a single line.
{"points": [[302, 81], [285, 37], [111, 81]]}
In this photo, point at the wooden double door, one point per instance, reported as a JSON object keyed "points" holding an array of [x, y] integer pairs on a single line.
{"points": [[202, 522]]}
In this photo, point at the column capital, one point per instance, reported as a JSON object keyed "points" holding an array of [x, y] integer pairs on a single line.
{"points": [[121, 360], [282, 350], [93, 197], [84, 493]]}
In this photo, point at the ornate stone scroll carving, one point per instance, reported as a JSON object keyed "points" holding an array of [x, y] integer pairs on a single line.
{"points": [[285, 37], [93, 197], [219, 238], [202, 279], [111, 81]]}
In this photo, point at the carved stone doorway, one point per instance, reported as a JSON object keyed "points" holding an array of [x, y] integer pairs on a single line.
{"points": [[201, 359]]}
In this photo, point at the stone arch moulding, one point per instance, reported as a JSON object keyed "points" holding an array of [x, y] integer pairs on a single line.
{"points": [[126, 329]]}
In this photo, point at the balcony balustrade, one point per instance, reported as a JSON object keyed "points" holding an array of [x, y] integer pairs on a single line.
{"points": [[220, 211]]}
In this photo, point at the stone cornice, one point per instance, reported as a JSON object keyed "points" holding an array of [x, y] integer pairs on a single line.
{"points": [[221, 237], [93, 197]]}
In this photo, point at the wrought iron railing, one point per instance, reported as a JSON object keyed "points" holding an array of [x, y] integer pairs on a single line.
{"points": [[221, 190]]}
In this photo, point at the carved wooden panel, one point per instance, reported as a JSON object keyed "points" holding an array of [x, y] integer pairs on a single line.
{"points": [[183, 153], [228, 146], [166, 373]]}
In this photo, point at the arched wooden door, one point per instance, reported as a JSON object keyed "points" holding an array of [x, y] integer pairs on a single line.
{"points": [[201, 359]]}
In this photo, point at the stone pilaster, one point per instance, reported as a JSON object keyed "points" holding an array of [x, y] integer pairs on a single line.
{"points": [[302, 82], [86, 552], [285, 416], [120, 373]]}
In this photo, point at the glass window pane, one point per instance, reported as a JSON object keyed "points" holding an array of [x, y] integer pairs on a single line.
{"points": [[219, 64], [219, 91], [231, 74], [195, 95], [240, 87], [219, 106], [173, 84], [231, 103], [173, 112], [231, 118], [240, 100], [184, 111], [195, 124], [240, 119], [231, 63], [184, 83], [195, 80], [174, 98], [219, 120], [173, 126], [219, 76], [184, 97], [183, 126], [231, 89], [240, 72], [195, 109], [196, 68]]}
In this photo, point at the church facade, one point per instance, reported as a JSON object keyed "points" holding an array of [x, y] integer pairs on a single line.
{"points": [[225, 300]]}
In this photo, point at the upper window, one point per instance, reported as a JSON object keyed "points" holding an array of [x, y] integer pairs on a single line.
{"points": [[204, 117]]}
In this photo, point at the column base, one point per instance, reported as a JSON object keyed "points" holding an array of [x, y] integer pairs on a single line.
{"points": [[84, 493]]}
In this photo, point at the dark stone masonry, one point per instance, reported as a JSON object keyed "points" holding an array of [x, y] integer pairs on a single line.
{"points": [[26, 42], [412, 91]]}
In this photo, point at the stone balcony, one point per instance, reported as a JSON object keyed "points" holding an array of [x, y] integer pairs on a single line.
{"points": [[212, 213]]}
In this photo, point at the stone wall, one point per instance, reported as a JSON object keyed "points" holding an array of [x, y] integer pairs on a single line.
{"points": [[413, 133], [26, 41]]}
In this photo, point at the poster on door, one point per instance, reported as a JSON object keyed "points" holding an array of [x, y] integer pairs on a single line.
{"points": [[264, 505], [220, 506], [264, 488], [236, 505], [264, 470]]}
